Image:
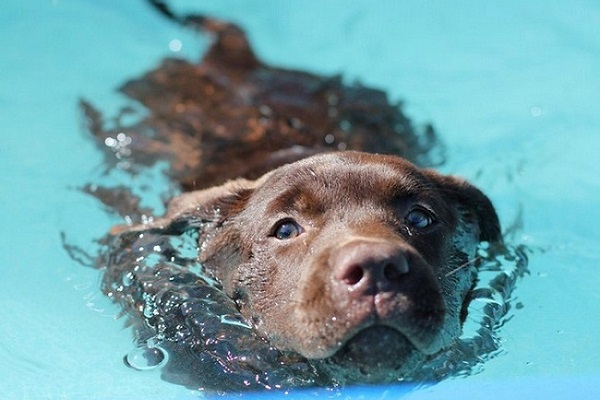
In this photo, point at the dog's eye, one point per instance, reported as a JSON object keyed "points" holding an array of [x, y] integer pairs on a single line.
{"points": [[419, 218], [287, 229]]}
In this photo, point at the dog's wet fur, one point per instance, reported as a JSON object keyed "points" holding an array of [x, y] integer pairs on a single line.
{"points": [[362, 259], [360, 264], [233, 116]]}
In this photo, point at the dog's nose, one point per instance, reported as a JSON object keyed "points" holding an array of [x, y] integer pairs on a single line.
{"points": [[367, 267]]}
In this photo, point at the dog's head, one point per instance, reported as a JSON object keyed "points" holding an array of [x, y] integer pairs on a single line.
{"points": [[363, 260]]}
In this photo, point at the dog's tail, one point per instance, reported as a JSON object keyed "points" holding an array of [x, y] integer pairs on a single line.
{"points": [[231, 46], [163, 8]]}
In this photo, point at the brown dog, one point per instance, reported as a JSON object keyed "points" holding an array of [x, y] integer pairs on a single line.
{"points": [[329, 268], [363, 260]]}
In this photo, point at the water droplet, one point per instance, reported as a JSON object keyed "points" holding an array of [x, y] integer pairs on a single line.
{"points": [[148, 310], [123, 139], [329, 138], [128, 279], [146, 358], [536, 111], [175, 45], [345, 125], [146, 219], [265, 110]]}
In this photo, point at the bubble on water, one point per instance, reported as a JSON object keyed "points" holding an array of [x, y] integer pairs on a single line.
{"points": [[175, 45], [146, 358], [147, 219], [123, 138], [149, 307]]}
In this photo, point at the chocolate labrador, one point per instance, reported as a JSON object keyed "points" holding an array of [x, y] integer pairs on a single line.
{"points": [[328, 265], [362, 260]]}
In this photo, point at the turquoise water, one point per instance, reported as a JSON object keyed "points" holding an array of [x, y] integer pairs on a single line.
{"points": [[514, 91]]}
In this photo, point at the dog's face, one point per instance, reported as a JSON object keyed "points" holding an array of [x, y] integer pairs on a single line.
{"points": [[360, 259]]}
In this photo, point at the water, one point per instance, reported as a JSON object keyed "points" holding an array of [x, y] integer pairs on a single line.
{"points": [[513, 91]]}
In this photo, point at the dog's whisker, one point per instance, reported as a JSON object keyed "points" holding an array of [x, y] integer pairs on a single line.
{"points": [[463, 266]]}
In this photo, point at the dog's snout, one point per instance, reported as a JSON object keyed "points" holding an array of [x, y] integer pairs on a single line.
{"points": [[368, 266]]}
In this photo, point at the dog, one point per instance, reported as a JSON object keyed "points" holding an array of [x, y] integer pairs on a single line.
{"points": [[362, 260], [321, 253]]}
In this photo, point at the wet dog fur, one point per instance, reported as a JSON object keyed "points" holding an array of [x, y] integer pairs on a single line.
{"points": [[362, 260], [361, 263]]}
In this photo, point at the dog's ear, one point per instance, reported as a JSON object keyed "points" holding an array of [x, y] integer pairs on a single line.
{"points": [[196, 209], [473, 201]]}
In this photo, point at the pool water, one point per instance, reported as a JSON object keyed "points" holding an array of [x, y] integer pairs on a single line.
{"points": [[513, 91]]}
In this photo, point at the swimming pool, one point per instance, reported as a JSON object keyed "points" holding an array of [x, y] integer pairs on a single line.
{"points": [[513, 91]]}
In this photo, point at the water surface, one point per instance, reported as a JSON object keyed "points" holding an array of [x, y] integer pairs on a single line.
{"points": [[513, 90]]}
